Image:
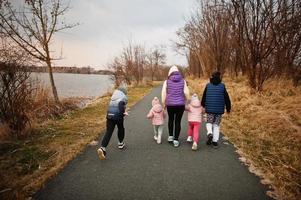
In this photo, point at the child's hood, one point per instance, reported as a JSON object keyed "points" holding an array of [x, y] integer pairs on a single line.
{"points": [[157, 108], [194, 101], [118, 95], [155, 101]]}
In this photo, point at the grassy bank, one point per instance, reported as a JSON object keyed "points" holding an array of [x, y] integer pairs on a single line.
{"points": [[27, 164], [265, 128]]}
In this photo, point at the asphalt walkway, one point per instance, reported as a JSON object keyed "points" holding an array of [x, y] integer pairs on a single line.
{"points": [[146, 170]]}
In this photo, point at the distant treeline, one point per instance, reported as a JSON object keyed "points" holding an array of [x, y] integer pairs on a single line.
{"points": [[74, 70]]}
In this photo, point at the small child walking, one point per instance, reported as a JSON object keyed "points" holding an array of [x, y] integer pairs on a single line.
{"points": [[215, 99], [115, 116], [157, 115], [195, 111]]}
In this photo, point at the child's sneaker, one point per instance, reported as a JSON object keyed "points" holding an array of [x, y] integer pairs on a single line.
{"points": [[101, 153], [159, 139], [121, 145], [209, 141], [170, 139], [155, 137], [215, 145], [189, 139], [176, 143], [194, 146]]}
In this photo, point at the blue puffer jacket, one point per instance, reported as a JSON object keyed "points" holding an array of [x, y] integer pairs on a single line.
{"points": [[215, 100], [117, 105], [215, 96]]}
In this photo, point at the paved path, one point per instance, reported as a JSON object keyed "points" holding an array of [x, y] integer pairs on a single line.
{"points": [[145, 170]]}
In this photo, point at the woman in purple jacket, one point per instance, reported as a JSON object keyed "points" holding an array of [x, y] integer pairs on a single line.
{"points": [[174, 95]]}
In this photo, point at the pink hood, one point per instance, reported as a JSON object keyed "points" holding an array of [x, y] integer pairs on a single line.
{"points": [[195, 102], [155, 101], [157, 108]]}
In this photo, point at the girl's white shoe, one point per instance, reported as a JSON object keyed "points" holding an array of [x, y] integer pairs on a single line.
{"points": [[159, 139], [194, 146], [189, 139], [155, 137]]}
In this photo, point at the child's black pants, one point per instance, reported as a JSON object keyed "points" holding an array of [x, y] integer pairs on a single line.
{"points": [[110, 129]]}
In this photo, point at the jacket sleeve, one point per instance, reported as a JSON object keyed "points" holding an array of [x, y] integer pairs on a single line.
{"points": [[163, 94], [150, 114], [186, 91], [203, 102], [122, 106], [227, 101]]}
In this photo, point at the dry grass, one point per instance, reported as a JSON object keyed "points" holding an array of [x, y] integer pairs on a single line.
{"points": [[44, 106], [265, 128], [26, 165], [41, 107]]}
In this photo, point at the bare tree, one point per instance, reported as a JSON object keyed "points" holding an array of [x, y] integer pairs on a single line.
{"points": [[206, 36], [156, 58], [16, 87], [256, 19], [33, 27], [287, 53], [261, 39], [120, 74], [134, 64], [139, 63]]}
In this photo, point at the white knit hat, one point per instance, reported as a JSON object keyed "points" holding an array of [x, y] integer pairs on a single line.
{"points": [[173, 69]]}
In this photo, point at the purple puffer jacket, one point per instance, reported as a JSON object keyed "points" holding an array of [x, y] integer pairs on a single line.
{"points": [[175, 90]]}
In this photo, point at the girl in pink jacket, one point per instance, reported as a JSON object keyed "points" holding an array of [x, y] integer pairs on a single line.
{"points": [[157, 115], [195, 111]]}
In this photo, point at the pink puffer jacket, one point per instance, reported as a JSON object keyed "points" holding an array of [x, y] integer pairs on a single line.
{"points": [[194, 109], [156, 113]]}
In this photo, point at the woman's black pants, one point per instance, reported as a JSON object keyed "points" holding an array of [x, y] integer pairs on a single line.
{"points": [[175, 114]]}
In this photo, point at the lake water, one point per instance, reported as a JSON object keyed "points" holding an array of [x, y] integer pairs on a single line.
{"points": [[77, 85]]}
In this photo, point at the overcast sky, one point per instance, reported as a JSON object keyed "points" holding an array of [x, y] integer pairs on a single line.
{"points": [[107, 25]]}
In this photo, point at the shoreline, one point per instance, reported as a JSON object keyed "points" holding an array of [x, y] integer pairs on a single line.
{"points": [[33, 161]]}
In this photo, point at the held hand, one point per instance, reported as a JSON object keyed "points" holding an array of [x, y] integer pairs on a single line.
{"points": [[126, 114], [227, 114], [204, 117]]}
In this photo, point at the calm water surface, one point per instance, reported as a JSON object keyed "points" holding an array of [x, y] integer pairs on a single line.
{"points": [[77, 85]]}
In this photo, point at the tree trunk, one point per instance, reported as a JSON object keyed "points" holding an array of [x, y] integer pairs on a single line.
{"points": [[54, 91]]}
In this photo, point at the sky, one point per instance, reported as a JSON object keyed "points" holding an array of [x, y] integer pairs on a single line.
{"points": [[107, 25]]}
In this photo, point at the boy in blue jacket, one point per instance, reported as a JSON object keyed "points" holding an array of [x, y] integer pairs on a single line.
{"points": [[215, 98], [115, 116]]}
